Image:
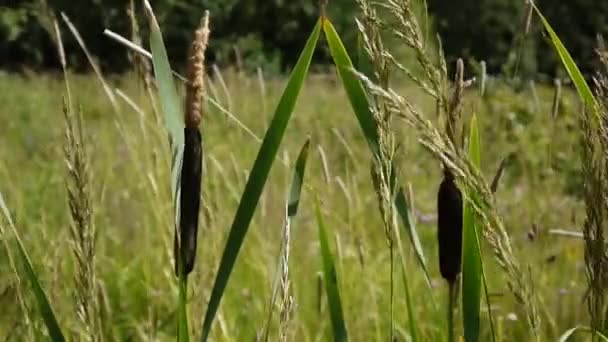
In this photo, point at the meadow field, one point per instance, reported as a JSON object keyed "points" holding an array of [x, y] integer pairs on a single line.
{"points": [[529, 127], [131, 206]]}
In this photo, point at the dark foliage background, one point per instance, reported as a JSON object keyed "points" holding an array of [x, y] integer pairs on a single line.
{"points": [[270, 33]]}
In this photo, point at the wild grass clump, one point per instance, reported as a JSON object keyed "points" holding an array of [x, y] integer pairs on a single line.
{"points": [[384, 168], [191, 170]]}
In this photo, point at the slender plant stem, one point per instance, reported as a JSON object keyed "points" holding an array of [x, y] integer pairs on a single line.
{"points": [[408, 297], [182, 324], [451, 302], [392, 292]]}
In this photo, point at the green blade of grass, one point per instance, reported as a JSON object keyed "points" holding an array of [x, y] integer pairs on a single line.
{"points": [[170, 103], [360, 105], [413, 325], [573, 71], [258, 176], [291, 208], [42, 301], [471, 257], [570, 332], [297, 181], [473, 273], [331, 282]]}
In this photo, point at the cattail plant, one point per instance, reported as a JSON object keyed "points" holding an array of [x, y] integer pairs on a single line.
{"points": [[186, 236], [458, 169], [186, 150], [82, 228], [449, 207], [467, 174]]}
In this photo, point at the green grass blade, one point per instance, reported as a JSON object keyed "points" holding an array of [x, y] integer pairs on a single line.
{"points": [[331, 282], [570, 332], [293, 202], [297, 181], [170, 103], [471, 255], [412, 322], [41, 299], [258, 176], [472, 259], [361, 106], [353, 87], [573, 71]]}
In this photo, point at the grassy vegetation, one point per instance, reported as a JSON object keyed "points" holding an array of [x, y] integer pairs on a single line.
{"points": [[132, 201], [129, 195]]}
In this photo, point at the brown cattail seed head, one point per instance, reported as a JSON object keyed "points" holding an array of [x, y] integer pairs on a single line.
{"points": [[195, 88], [190, 199], [449, 227]]}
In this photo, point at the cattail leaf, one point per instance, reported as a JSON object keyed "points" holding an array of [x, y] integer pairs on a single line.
{"points": [[499, 172], [170, 103], [471, 256], [258, 176], [361, 107], [412, 321], [583, 89], [331, 282], [473, 274], [46, 311]]}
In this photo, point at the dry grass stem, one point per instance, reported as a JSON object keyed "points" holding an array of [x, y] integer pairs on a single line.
{"points": [[384, 172], [287, 300]]}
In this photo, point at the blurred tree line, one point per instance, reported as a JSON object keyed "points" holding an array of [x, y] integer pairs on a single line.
{"points": [[509, 38], [270, 33]]}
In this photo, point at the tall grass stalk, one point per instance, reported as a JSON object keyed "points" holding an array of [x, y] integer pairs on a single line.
{"points": [[384, 171], [78, 183], [282, 281], [82, 229], [595, 165]]}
